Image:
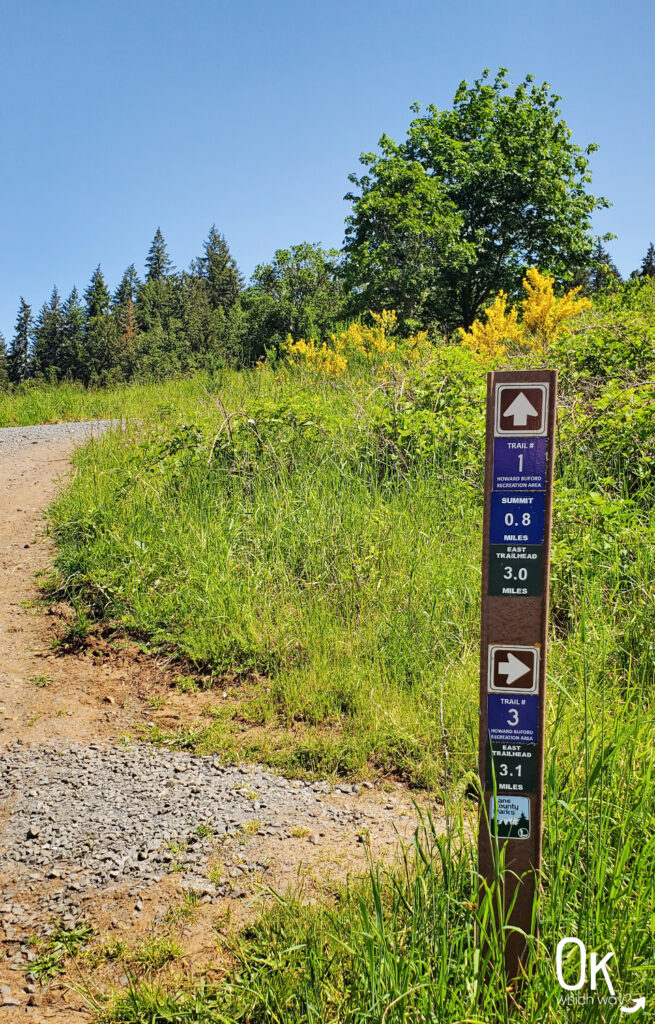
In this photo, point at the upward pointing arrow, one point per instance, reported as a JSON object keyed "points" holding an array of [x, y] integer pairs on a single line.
{"points": [[520, 409], [513, 668]]}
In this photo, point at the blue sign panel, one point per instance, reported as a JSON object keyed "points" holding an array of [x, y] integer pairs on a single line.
{"points": [[512, 719], [517, 518], [520, 463]]}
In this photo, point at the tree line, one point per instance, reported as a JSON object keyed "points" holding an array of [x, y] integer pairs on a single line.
{"points": [[173, 322], [439, 223]]}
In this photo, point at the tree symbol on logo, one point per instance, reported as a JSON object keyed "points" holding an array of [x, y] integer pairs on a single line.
{"points": [[523, 828]]}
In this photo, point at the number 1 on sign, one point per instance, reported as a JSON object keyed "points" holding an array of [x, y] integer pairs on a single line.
{"points": [[521, 462]]}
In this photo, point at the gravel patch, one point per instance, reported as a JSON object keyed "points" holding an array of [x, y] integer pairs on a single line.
{"points": [[86, 817], [16, 439]]}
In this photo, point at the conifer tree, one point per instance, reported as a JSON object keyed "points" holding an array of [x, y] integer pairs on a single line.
{"points": [[4, 364], [219, 269], [19, 353], [603, 271], [128, 289], [196, 312], [158, 299], [158, 262], [96, 296], [48, 337], [648, 262], [74, 321], [99, 349], [124, 305]]}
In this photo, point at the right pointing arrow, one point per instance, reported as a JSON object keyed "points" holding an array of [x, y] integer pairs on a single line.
{"points": [[520, 409], [513, 668]]}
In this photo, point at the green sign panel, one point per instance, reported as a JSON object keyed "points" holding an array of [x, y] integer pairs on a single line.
{"points": [[515, 570], [512, 767]]}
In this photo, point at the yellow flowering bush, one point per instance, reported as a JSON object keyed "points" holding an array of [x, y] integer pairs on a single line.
{"points": [[370, 341], [543, 317], [489, 339], [330, 361], [358, 341]]}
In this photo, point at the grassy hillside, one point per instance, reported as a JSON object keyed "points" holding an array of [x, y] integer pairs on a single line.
{"points": [[32, 402], [313, 538], [316, 538]]}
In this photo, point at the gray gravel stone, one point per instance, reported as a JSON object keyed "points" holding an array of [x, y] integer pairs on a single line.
{"points": [[97, 816], [14, 439]]}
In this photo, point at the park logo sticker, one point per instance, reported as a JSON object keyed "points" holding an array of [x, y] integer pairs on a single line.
{"points": [[509, 817]]}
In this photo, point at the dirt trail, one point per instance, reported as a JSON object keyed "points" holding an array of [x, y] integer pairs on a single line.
{"points": [[41, 696], [55, 705]]}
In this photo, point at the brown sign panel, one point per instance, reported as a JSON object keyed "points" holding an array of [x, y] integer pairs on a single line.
{"points": [[513, 669], [521, 410], [515, 573]]}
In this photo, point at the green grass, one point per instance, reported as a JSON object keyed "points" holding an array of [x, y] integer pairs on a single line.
{"points": [[61, 944], [336, 592], [312, 547], [416, 945], [33, 402], [349, 601]]}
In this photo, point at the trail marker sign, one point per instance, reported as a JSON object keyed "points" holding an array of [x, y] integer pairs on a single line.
{"points": [[515, 571], [517, 518], [512, 719]]}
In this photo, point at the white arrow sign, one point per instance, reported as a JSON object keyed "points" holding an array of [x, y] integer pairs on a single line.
{"points": [[640, 1004], [513, 668], [520, 409]]}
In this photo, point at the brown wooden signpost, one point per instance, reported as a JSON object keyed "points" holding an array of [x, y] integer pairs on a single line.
{"points": [[521, 409]]}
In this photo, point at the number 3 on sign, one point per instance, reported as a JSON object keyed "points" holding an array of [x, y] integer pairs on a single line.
{"points": [[513, 717]]}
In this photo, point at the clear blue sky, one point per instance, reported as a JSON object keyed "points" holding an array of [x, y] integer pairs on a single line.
{"points": [[121, 116]]}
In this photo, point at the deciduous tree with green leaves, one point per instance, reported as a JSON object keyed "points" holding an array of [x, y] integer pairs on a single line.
{"points": [[300, 292], [474, 195]]}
